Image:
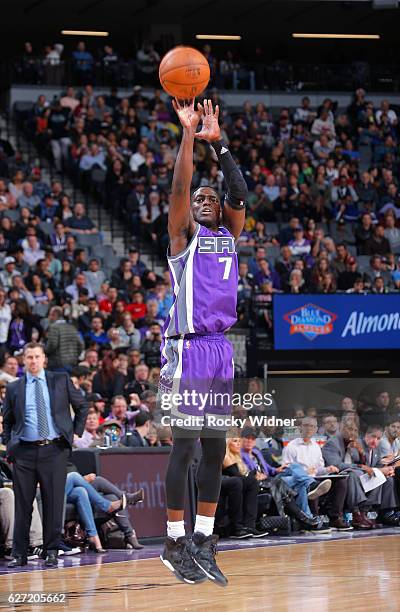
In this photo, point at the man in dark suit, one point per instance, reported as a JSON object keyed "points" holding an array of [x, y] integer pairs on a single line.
{"points": [[383, 498], [38, 432], [137, 437], [346, 453]]}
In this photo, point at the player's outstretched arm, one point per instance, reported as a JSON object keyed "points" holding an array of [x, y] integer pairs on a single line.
{"points": [[180, 220], [234, 211]]}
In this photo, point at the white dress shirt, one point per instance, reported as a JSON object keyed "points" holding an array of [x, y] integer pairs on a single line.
{"points": [[307, 454]]}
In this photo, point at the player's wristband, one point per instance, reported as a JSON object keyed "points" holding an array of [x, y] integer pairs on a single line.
{"points": [[236, 185]]}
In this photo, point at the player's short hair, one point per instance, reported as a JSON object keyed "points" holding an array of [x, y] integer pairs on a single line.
{"points": [[204, 187]]}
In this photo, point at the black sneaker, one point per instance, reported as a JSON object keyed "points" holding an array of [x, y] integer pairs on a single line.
{"points": [[258, 533], [177, 558], [34, 552], [203, 550], [241, 533]]}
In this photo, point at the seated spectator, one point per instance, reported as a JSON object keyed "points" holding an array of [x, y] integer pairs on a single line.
{"points": [[377, 267], [97, 334], [108, 382], [323, 125], [7, 275], [306, 452], [28, 199], [7, 515], [363, 233], [82, 495], [24, 327], [384, 498], [151, 346], [94, 276], [74, 288], [32, 248], [9, 371], [80, 223], [378, 244], [141, 382], [266, 275], [392, 233], [129, 335], [241, 488], [345, 451], [138, 437], [389, 444], [330, 425], [120, 413], [90, 434], [296, 283], [299, 245], [294, 476]]}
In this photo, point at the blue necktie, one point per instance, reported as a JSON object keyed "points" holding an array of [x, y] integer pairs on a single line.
{"points": [[43, 425]]}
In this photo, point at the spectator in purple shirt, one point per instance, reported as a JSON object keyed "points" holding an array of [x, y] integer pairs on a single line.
{"points": [[299, 245], [265, 274]]}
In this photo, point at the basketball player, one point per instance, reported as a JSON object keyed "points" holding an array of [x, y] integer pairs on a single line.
{"points": [[195, 353]]}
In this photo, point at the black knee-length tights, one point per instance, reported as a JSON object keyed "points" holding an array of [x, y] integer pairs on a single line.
{"points": [[208, 476]]}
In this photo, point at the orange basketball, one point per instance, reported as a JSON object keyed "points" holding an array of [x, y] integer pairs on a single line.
{"points": [[184, 73]]}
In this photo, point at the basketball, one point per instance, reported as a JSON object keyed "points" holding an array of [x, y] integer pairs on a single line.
{"points": [[184, 73]]}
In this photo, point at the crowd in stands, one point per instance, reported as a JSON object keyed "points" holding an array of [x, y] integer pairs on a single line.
{"points": [[323, 204]]}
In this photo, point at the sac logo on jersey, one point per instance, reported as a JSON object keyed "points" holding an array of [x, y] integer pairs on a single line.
{"points": [[216, 244]]}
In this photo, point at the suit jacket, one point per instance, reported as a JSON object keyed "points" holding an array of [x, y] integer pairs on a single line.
{"points": [[334, 452], [374, 461], [62, 394]]}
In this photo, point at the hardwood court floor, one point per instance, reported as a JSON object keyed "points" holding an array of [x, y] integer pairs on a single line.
{"points": [[346, 575]]}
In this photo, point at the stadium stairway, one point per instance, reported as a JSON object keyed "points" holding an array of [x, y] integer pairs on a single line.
{"points": [[112, 229]]}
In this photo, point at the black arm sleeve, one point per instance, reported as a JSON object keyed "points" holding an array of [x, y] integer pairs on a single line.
{"points": [[236, 185]]}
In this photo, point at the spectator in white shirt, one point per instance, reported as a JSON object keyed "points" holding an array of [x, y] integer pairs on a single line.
{"points": [[304, 113], [96, 157], [138, 158], [299, 245], [323, 125], [9, 372], [32, 250], [307, 452], [94, 277], [389, 445], [7, 275], [130, 336], [78, 284], [392, 233], [385, 110], [5, 318], [271, 189], [90, 434]]}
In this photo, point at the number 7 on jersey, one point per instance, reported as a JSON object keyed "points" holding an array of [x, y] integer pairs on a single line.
{"points": [[228, 265]]}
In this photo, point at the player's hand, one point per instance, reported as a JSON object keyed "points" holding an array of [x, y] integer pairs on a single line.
{"points": [[210, 129], [188, 116]]}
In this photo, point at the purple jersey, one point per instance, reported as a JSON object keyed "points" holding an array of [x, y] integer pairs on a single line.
{"points": [[205, 281]]}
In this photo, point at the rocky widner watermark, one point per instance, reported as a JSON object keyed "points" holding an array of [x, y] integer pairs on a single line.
{"points": [[192, 408]]}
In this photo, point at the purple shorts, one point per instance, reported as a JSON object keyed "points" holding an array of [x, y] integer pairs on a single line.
{"points": [[196, 380]]}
